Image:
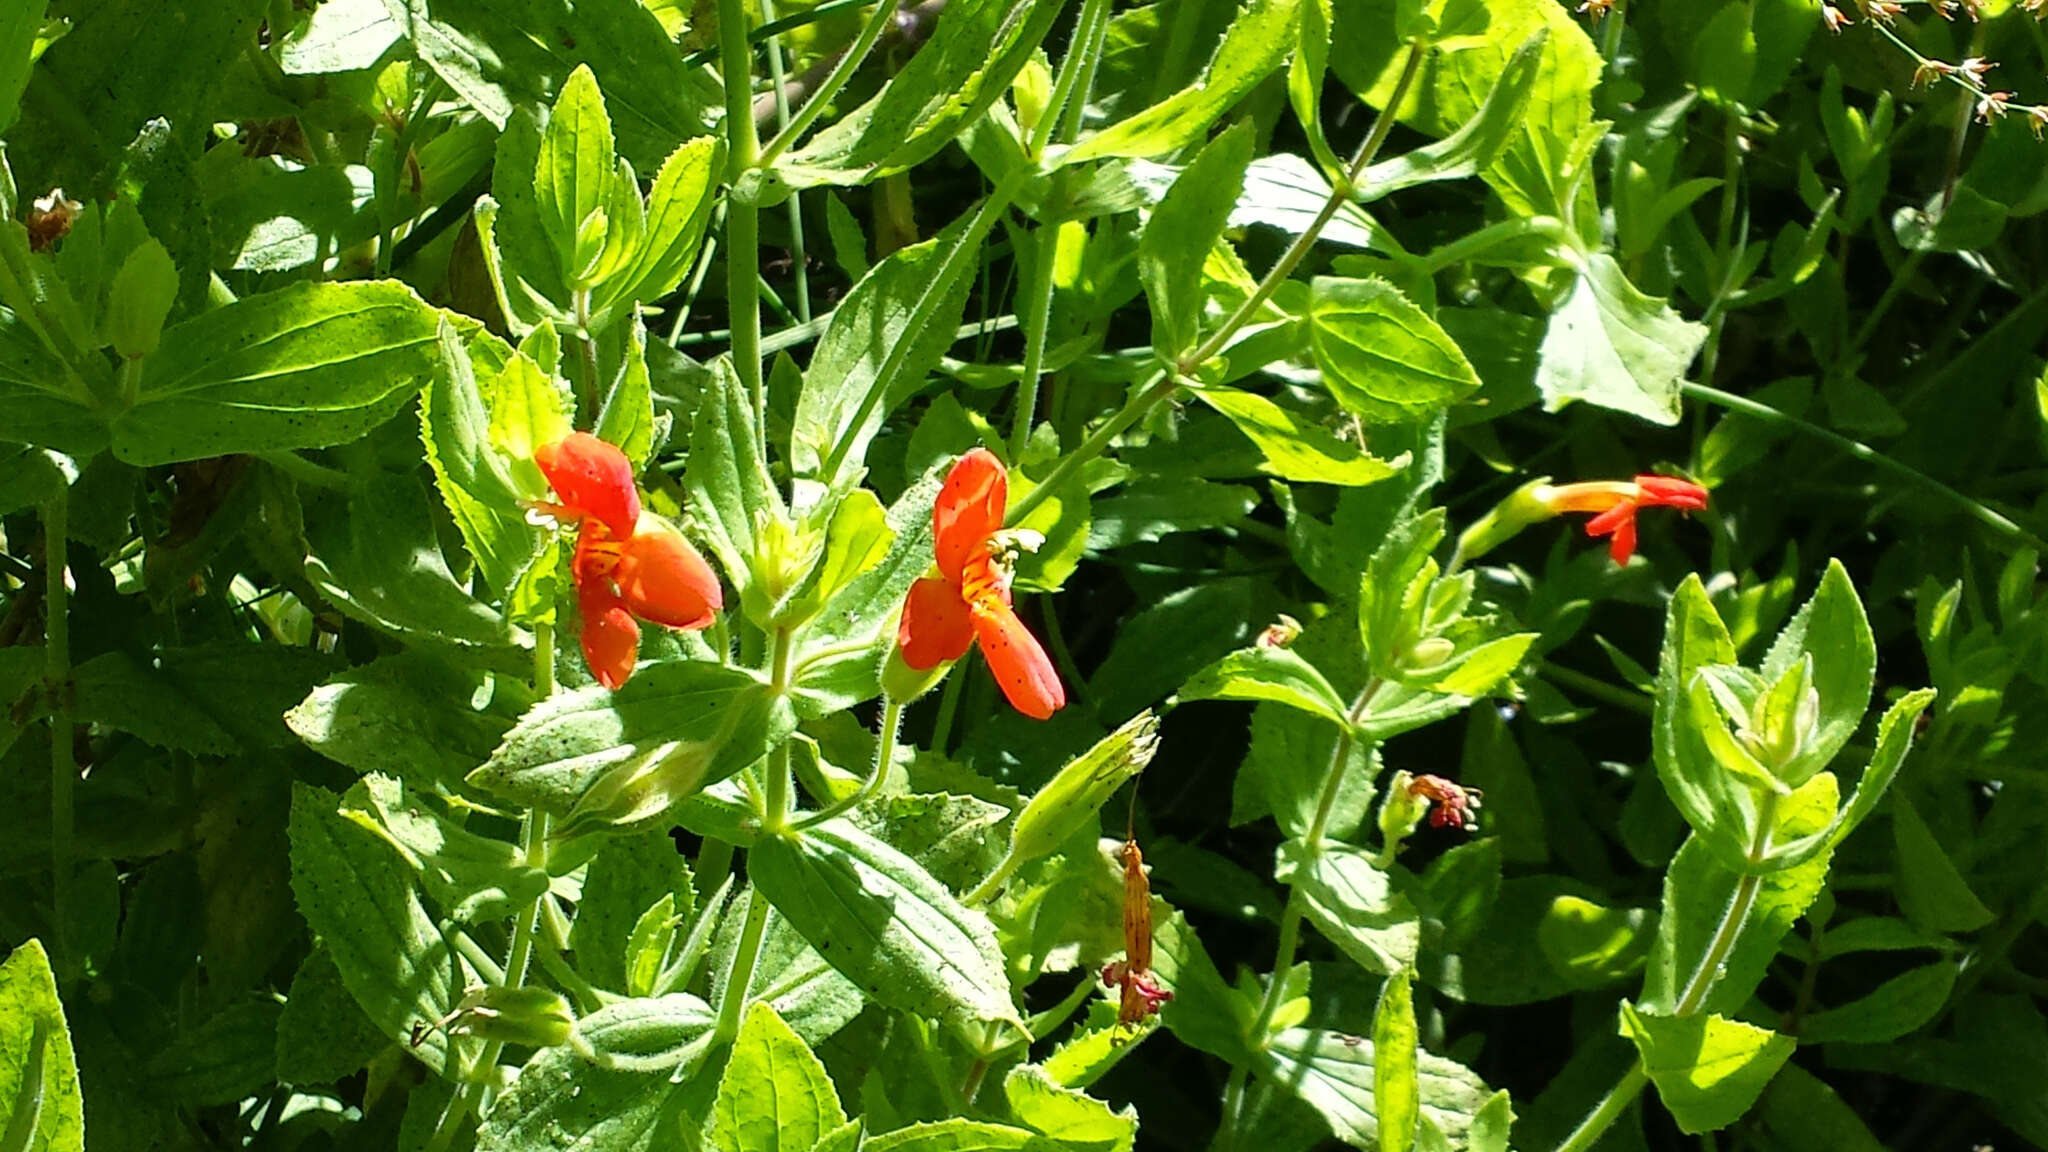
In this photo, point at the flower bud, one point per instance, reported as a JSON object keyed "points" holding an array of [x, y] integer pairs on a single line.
{"points": [[902, 683]]}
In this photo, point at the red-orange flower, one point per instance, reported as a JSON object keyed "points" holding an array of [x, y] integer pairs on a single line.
{"points": [[969, 600], [1614, 503], [629, 565]]}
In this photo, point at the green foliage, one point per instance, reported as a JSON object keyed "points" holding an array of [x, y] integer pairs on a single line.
{"points": [[365, 784]]}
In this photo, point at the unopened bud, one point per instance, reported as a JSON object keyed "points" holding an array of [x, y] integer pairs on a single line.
{"points": [[1281, 633]]}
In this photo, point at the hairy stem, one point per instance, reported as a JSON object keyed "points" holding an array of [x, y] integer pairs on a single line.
{"points": [[885, 751], [821, 97], [742, 219], [57, 682]]}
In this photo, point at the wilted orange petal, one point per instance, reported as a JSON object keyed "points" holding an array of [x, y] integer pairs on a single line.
{"points": [[969, 510], [1022, 669], [663, 579], [592, 478], [611, 637], [935, 625]]}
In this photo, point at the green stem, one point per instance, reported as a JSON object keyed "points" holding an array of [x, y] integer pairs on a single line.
{"points": [[1339, 196], [870, 33], [57, 682], [533, 844], [1290, 920], [776, 819], [741, 975], [949, 704], [1076, 63], [742, 219], [1694, 997], [926, 309], [885, 751], [1036, 318], [1598, 689], [1611, 1107], [1166, 383], [1894, 287], [1868, 455], [586, 345]]}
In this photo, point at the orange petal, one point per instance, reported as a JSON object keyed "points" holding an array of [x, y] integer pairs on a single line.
{"points": [[1671, 492], [935, 625], [596, 556], [1022, 669], [969, 510], [1623, 545], [611, 638], [663, 579], [591, 478]]}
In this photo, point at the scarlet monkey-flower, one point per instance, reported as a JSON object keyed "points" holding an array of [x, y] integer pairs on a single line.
{"points": [[629, 565], [968, 601], [1614, 503]]}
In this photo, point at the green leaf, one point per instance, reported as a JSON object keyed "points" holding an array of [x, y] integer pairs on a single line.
{"points": [[1395, 1092], [225, 1056], [1803, 1112], [1697, 889], [626, 417], [628, 875], [883, 340], [1724, 56], [775, 1095], [40, 1106], [341, 36], [1611, 346], [1490, 1127], [623, 759], [645, 1034], [839, 665], [303, 367], [376, 555], [474, 879], [678, 208], [1305, 79], [1476, 143], [1295, 449], [1932, 892], [18, 28], [1334, 1073], [560, 1103], [322, 1035], [503, 55], [1894, 1008], [1275, 674], [120, 692], [139, 299], [1256, 44], [1183, 228], [1350, 901], [954, 1136], [1537, 173], [966, 66], [410, 715], [1075, 1119], [1715, 803], [1833, 632], [727, 481], [883, 921], [572, 179], [42, 399], [1381, 356], [1708, 1069], [1151, 509], [357, 896], [479, 438]]}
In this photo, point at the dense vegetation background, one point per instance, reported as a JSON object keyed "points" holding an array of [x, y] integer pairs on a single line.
{"points": [[1308, 332]]}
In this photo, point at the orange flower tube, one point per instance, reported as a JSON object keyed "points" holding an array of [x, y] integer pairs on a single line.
{"points": [[1614, 504]]}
